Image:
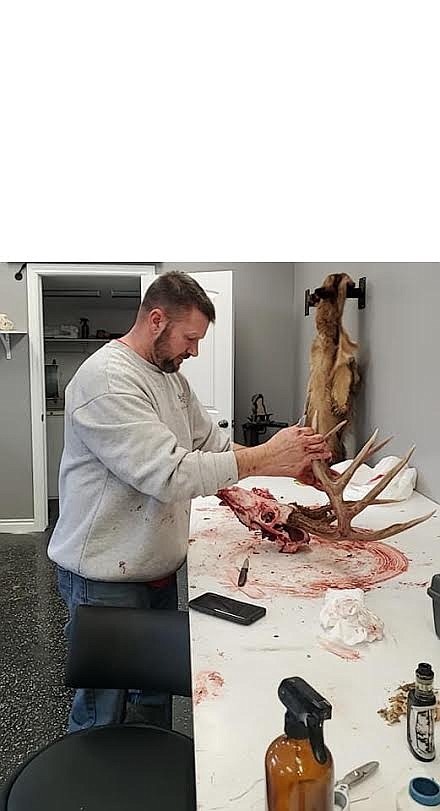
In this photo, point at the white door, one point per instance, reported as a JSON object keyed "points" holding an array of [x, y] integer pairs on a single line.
{"points": [[211, 374]]}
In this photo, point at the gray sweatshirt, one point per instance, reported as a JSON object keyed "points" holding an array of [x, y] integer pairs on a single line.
{"points": [[138, 447]]}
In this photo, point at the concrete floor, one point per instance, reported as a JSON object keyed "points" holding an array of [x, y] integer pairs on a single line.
{"points": [[34, 704]]}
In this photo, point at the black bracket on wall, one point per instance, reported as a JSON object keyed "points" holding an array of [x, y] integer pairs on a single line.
{"points": [[19, 275], [312, 299]]}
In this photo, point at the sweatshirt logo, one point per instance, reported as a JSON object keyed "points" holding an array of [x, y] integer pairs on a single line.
{"points": [[183, 399]]}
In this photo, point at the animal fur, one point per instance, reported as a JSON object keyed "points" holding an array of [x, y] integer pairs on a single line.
{"points": [[334, 374]]}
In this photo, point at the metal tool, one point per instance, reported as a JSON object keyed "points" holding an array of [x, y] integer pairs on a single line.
{"points": [[302, 420], [342, 787], [242, 577]]}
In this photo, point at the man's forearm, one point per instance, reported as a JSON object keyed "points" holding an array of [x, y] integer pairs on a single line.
{"points": [[251, 461]]}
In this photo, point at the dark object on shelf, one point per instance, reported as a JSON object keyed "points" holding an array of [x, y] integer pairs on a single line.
{"points": [[311, 299], [434, 592], [84, 329], [258, 422], [102, 333], [51, 379]]}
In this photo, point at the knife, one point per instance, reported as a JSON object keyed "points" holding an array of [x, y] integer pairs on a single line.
{"points": [[242, 577]]}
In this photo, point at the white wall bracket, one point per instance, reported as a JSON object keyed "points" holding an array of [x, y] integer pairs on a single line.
{"points": [[5, 338]]}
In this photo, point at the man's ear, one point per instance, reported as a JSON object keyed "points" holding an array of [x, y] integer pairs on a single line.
{"points": [[158, 321]]}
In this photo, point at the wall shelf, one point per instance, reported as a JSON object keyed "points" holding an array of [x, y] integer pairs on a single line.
{"points": [[74, 346], [6, 340], [64, 339]]}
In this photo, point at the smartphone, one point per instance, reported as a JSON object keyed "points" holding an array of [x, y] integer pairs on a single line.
{"points": [[227, 609]]}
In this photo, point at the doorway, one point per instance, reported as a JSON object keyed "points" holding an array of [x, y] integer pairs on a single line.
{"points": [[59, 296], [80, 315]]}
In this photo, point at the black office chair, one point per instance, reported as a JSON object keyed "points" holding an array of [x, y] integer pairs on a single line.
{"points": [[120, 767]]}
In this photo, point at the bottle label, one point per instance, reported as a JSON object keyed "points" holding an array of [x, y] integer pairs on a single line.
{"points": [[421, 731]]}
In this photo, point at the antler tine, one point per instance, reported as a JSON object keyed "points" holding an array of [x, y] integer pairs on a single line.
{"points": [[379, 446], [376, 501], [340, 483], [382, 483], [387, 532], [319, 468], [335, 429]]}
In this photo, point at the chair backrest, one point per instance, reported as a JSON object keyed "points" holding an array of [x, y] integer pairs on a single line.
{"points": [[130, 648]]}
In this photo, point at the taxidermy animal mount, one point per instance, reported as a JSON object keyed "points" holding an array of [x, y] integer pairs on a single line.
{"points": [[334, 375]]}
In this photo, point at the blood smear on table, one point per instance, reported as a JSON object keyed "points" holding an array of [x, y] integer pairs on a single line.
{"points": [[343, 651], [208, 685]]}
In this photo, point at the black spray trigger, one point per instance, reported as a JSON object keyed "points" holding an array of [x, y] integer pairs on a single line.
{"points": [[316, 737]]}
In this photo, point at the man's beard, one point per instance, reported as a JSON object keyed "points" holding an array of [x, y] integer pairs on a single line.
{"points": [[161, 353]]}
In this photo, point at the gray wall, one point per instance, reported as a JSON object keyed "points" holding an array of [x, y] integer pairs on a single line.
{"points": [[399, 336], [397, 331], [264, 332], [16, 499]]}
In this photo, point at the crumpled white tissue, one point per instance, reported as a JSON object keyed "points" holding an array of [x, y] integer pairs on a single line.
{"points": [[366, 477], [345, 617]]}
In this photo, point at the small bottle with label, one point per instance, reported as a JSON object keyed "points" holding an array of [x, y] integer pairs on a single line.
{"points": [[84, 329], [421, 713]]}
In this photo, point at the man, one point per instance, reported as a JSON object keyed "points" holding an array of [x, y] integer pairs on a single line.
{"points": [[138, 447]]}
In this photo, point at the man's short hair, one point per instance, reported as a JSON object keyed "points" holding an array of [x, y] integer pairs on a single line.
{"points": [[177, 292]]}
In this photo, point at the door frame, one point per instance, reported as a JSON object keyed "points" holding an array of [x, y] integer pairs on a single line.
{"points": [[35, 272], [227, 315]]}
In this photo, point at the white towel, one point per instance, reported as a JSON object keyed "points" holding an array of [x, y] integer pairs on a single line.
{"points": [[366, 477], [345, 618]]}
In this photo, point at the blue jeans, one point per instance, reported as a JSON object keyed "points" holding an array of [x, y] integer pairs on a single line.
{"points": [[95, 707]]}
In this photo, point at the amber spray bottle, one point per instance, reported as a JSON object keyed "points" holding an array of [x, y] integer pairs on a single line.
{"points": [[299, 767]]}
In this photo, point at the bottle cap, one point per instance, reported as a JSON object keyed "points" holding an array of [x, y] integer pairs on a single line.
{"points": [[424, 672], [424, 791]]}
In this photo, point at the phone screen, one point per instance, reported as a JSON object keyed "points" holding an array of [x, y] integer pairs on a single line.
{"points": [[228, 609]]}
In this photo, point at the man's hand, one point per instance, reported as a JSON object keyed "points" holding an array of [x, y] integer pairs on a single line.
{"points": [[289, 453], [308, 477], [294, 449]]}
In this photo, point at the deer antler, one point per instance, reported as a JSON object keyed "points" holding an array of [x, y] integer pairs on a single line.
{"points": [[342, 512]]}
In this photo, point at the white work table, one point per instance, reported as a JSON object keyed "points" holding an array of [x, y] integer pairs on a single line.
{"points": [[237, 670]]}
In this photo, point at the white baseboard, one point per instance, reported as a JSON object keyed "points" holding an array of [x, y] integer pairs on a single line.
{"points": [[19, 526]]}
